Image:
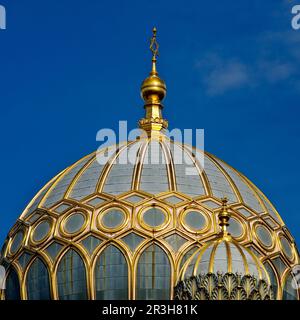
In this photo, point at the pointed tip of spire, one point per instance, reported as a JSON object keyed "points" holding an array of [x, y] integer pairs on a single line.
{"points": [[154, 46]]}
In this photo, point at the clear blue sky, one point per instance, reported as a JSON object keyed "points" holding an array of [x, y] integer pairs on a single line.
{"points": [[70, 68]]}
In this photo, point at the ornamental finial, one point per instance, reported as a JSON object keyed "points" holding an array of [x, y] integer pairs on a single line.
{"points": [[224, 217], [154, 46]]}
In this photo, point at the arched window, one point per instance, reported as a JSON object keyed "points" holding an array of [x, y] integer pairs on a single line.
{"points": [[111, 275], [37, 283], [12, 291], [273, 278], [71, 277], [153, 275], [290, 291]]}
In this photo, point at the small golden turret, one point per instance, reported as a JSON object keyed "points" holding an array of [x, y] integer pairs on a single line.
{"points": [[224, 217], [153, 91]]}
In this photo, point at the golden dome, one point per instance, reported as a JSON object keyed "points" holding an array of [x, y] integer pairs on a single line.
{"points": [[224, 260], [110, 219], [224, 255]]}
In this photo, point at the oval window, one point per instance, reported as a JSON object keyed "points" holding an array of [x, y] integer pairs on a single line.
{"points": [[41, 231], [154, 217], [264, 236], [17, 242], [113, 218], [194, 220], [74, 223]]}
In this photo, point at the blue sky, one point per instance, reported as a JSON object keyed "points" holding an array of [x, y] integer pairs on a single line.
{"points": [[70, 68]]}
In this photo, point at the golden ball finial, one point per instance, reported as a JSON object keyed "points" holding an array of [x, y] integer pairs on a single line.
{"points": [[153, 89]]}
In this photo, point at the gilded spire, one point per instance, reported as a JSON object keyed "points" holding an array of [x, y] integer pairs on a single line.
{"points": [[224, 217], [153, 91], [154, 46]]}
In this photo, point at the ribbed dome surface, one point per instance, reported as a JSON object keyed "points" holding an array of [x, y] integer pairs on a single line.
{"points": [[196, 176], [224, 256]]}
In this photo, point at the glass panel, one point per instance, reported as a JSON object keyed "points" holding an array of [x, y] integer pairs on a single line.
{"points": [[287, 249], [175, 241], [24, 259], [17, 242], [41, 231], [187, 256], [195, 220], [245, 212], [37, 283], [173, 199], [120, 176], [53, 250], [34, 217], [111, 275], [270, 223], [218, 182], [58, 191], [248, 195], [94, 202], [264, 235], [153, 275], [211, 204], [62, 208], [134, 199], [113, 218], [12, 291], [91, 243], [187, 183], [71, 277], [203, 265], [289, 290], [74, 223], [132, 240], [279, 265], [254, 251], [235, 228], [87, 182], [220, 262], [273, 278], [154, 217], [154, 176]]}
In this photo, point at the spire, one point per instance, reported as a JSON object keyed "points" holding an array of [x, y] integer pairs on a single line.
{"points": [[154, 46], [224, 217], [153, 91]]}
